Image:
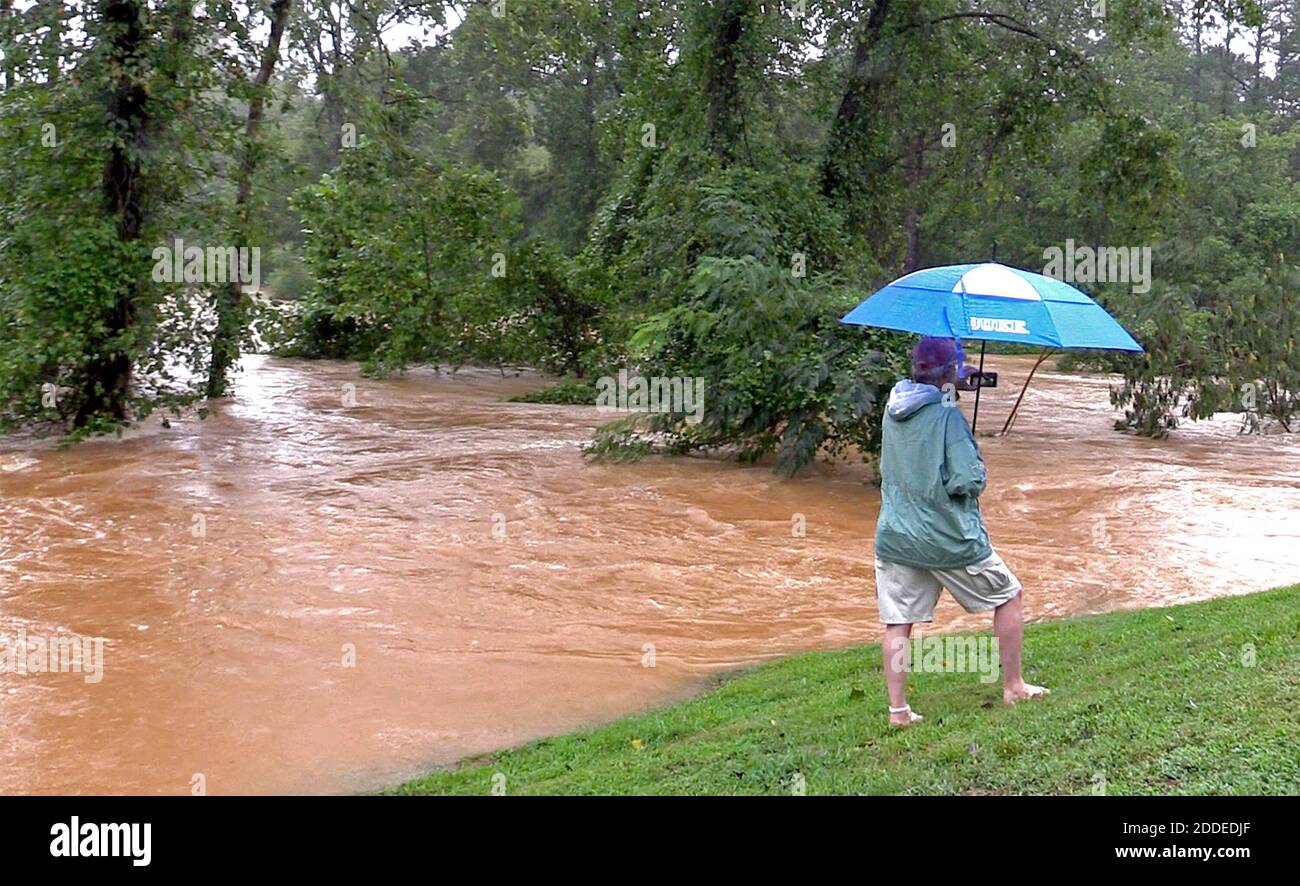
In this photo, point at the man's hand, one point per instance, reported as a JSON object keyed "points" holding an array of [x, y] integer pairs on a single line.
{"points": [[966, 378]]}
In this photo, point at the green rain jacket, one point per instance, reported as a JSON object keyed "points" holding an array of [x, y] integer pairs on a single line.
{"points": [[931, 478]]}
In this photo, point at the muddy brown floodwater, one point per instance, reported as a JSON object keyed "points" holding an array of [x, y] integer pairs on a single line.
{"points": [[236, 566]]}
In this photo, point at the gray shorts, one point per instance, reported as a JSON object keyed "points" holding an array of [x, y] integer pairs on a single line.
{"points": [[908, 594]]}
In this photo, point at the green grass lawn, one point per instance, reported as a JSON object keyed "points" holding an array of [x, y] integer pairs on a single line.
{"points": [[1156, 701]]}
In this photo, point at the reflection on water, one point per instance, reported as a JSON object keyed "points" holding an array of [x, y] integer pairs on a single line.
{"points": [[238, 567]]}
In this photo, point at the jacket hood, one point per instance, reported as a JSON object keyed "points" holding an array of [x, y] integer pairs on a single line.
{"points": [[907, 398]]}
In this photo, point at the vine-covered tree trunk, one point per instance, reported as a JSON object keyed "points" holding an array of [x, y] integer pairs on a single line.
{"points": [[330, 63], [335, 116], [914, 168], [724, 115], [107, 379], [6, 27], [230, 304], [54, 41], [591, 136], [845, 169]]}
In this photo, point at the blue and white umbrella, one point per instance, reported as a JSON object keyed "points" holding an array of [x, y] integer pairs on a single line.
{"points": [[993, 302]]}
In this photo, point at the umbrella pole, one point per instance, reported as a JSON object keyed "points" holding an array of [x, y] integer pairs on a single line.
{"points": [[1025, 387], [976, 417]]}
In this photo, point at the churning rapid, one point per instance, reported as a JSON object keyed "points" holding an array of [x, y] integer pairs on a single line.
{"points": [[334, 582]]}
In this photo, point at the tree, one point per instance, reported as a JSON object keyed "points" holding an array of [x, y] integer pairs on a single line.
{"points": [[402, 273], [88, 337], [228, 304]]}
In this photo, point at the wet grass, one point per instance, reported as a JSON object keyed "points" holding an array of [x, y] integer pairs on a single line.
{"points": [[1157, 701]]}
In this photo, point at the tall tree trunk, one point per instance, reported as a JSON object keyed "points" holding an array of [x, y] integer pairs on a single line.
{"points": [[107, 379], [723, 113], [54, 42], [230, 305], [331, 70], [591, 137], [335, 116], [912, 213], [844, 172], [1196, 65], [6, 43], [1257, 75]]}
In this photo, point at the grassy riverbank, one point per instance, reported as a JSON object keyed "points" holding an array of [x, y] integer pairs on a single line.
{"points": [[1157, 701]]}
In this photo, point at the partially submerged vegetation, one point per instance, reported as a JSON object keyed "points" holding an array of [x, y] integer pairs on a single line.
{"points": [[677, 189], [564, 393]]}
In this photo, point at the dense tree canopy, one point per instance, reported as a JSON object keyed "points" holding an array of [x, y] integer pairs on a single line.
{"points": [[677, 188]]}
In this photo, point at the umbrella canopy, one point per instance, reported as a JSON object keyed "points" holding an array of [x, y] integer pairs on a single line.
{"points": [[992, 302]]}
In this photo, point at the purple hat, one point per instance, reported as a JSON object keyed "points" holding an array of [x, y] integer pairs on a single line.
{"points": [[933, 353]]}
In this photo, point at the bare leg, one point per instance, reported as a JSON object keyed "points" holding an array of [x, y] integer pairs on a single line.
{"points": [[1009, 626], [895, 651]]}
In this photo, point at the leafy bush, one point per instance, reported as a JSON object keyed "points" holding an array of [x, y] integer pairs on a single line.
{"points": [[402, 254], [781, 375], [538, 313], [413, 263], [741, 271], [566, 393], [62, 270], [288, 277]]}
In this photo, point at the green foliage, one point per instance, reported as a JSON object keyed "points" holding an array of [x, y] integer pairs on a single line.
{"points": [[566, 393], [1129, 176], [541, 314], [88, 339], [648, 181], [46, 337], [414, 263], [402, 255], [1224, 311], [1263, 325], [287, 276], [64, 266], [653, 230], [781, 376]]}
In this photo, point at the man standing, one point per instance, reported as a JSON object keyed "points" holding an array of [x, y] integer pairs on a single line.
{"points": [[930, 534]]}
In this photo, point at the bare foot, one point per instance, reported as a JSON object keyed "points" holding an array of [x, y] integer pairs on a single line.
{"points": [[1013, 694]]}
